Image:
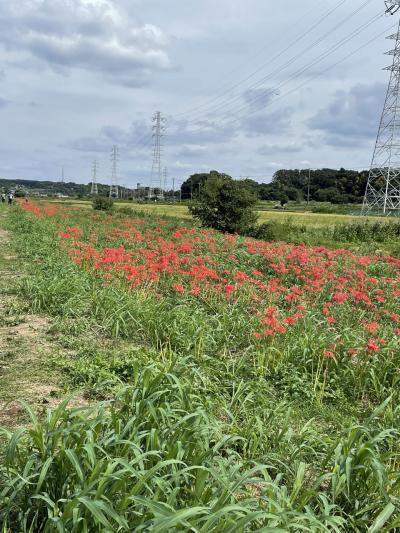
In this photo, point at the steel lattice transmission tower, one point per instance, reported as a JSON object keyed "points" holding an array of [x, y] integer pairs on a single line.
{"points": [[94, 191], [114, 193], [158, 133], [382, 194]]}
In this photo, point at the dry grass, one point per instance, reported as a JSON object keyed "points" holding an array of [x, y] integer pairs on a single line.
{"points": [[182, 211]]}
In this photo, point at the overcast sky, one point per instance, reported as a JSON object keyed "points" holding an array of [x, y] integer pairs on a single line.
{"points": [[247, 86]]}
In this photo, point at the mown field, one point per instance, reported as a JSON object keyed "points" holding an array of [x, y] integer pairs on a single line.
{"points": [[232, 384]]}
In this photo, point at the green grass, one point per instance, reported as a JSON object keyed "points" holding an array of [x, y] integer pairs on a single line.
{"points": [[196, 427], [27, 369], [295, 212]]}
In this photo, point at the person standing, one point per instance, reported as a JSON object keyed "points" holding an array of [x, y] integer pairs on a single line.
{"points": [[3, 198], [10, 197]]}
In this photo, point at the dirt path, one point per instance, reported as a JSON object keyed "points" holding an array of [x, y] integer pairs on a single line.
{"points": [[26, 372]]}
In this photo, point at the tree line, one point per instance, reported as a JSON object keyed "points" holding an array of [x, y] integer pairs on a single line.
{"points": [[324, 185]]}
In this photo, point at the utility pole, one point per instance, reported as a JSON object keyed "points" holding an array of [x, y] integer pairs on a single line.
{"points": [[94, 191], [62, 174], [114, 192], [164, 187], [158, 133], [382, 194], [173, 189], [308, 187]]}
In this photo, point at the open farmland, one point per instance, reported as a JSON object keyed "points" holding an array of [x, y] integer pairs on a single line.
{"points": [[230, 384], [265, 212]]}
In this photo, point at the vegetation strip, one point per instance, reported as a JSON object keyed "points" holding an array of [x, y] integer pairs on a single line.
{"points": [[219, 413], [26, 369]]}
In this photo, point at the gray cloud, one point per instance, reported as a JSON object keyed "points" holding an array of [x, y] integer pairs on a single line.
{"points": [[129, 140], [94, 36], [351, 119], [3, 102], [271, 149], [275, 122], [192, 151], [179, 56], [199, 132], [258, 99]]}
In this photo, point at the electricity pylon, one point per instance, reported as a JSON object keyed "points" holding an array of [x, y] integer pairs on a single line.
{"points": [[392, 6], [94, 191], [158, 134], [382, 195], [114, 193]]}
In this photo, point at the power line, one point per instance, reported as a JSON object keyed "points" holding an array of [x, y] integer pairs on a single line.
{"points": [[306, 82], [228, 103], [308, 66], [277, 56]]}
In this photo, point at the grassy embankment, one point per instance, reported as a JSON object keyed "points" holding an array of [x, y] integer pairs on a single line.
{"points": [[246, 385], [298, 225]]}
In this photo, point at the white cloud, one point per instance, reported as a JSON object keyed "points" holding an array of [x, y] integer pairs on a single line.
{"points": [[90, 35]]}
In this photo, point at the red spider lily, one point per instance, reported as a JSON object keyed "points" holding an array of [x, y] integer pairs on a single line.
{"points": [[276, 284], [372, 346], [229, 290], [178, 287], [340, 297], [185, 248], [372, 327], [291, 320], [353, 352], [240, 277]]}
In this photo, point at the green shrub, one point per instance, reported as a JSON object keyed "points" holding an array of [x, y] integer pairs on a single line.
{"points": [[101, 203], [225, 205], [264, 232], [127, 211], [365, 231]]}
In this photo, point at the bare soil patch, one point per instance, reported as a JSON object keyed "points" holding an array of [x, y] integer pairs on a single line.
{"points": [[26, 355]]}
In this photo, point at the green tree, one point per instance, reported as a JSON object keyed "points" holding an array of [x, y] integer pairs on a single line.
{"points": [[192, 186], [226, 205], [283, 198]]}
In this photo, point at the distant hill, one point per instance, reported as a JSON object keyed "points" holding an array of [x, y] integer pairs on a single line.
{"points": [[52, 188]]}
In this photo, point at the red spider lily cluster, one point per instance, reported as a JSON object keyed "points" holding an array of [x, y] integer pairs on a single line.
{"points": [[45, 210], [278, 288]]}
